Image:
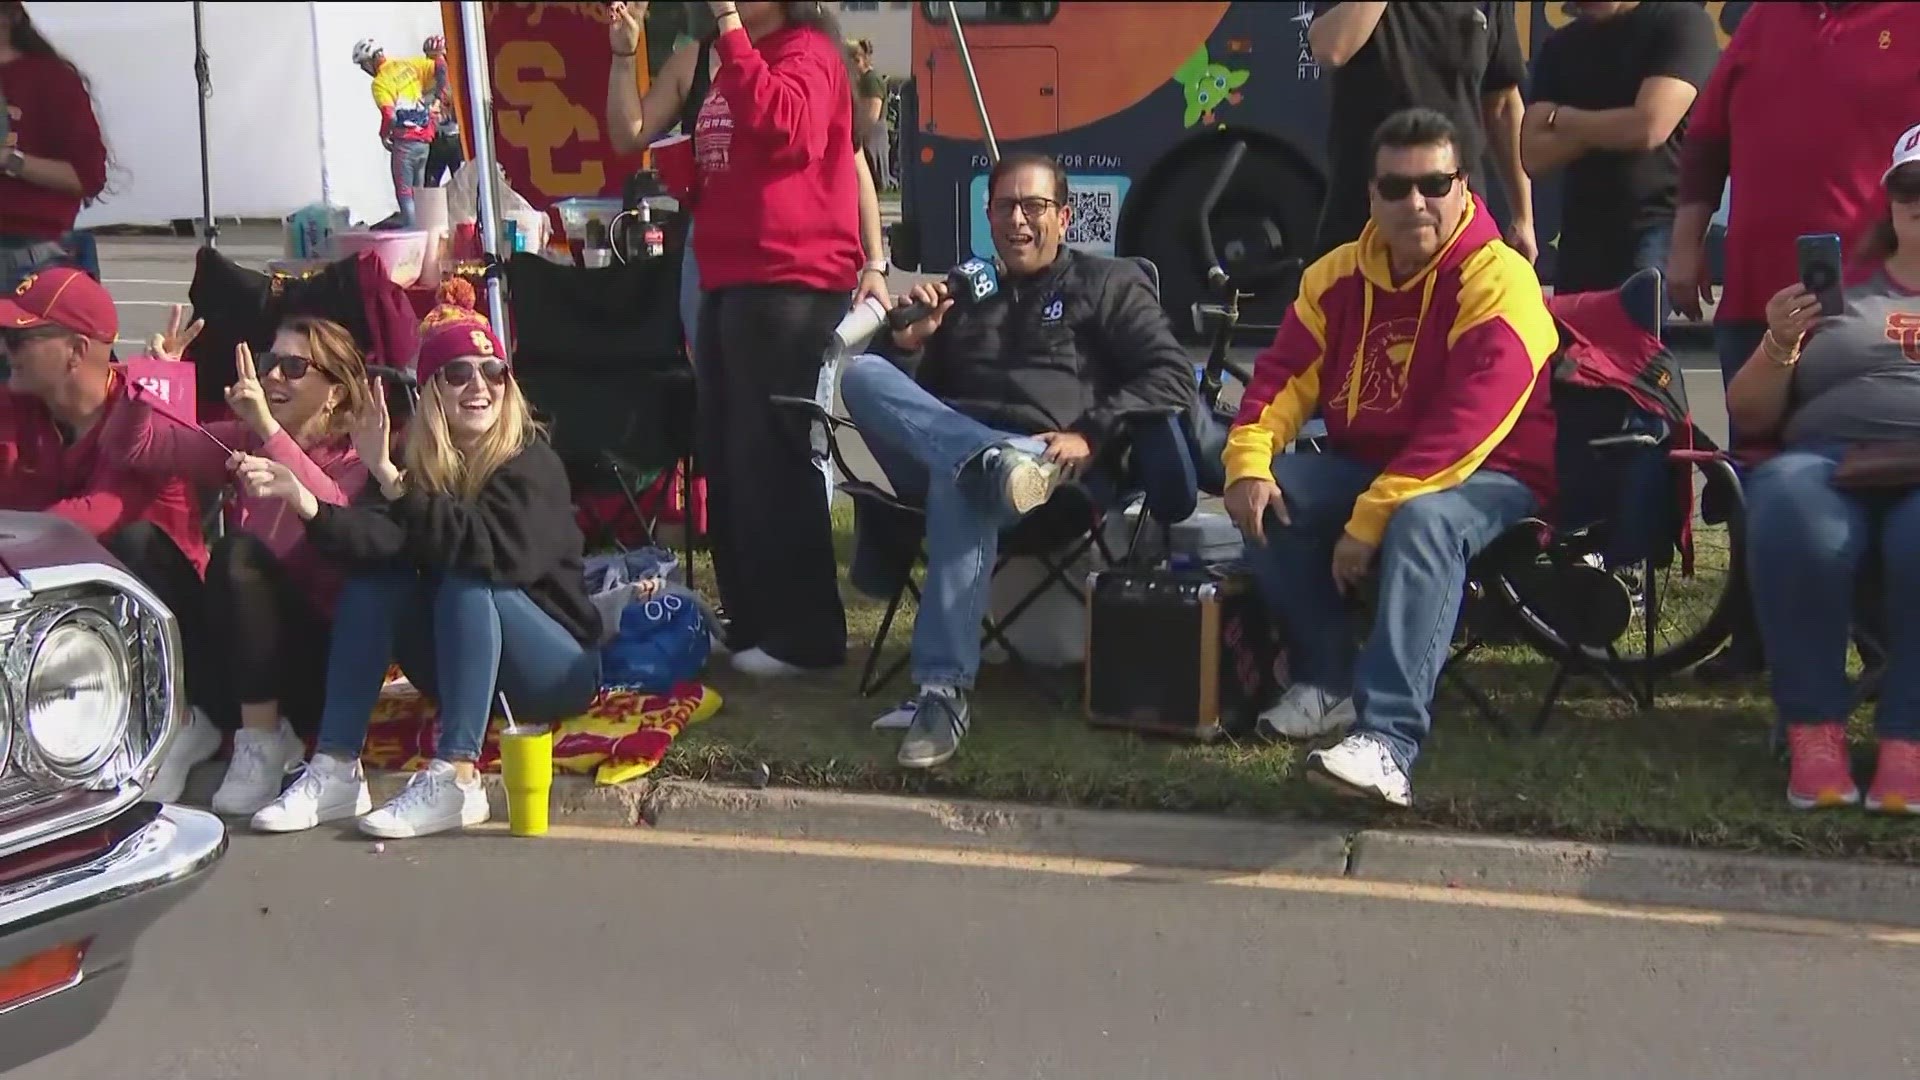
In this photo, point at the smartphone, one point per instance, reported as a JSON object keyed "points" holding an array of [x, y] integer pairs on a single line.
{"points": [[1820, 270]]}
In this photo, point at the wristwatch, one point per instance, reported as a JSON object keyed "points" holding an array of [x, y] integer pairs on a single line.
{"points": [[878, 266], [13, 164]]}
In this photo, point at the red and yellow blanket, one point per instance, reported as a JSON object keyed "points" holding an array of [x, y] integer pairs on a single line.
{"points": [[620, 737]]}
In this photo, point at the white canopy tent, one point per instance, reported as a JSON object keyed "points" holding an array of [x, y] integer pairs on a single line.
{"points": [[290, 120]]}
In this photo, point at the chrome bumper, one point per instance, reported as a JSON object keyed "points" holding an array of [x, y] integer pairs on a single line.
{"points": [[109, 902]]}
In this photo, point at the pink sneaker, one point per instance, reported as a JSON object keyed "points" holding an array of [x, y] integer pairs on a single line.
{"points": [[1896, 780], [1822, 774]]}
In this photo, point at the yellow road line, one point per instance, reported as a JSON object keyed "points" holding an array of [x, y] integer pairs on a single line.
{"points": [[1272, 881]]}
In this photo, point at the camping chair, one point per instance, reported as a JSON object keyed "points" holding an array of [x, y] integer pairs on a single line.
{"points": [[600, 355], [1626, 454], [1149, 463]]}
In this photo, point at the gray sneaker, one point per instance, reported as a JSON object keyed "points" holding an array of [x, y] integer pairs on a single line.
{"points": [[939, 722], [1026, 482]]}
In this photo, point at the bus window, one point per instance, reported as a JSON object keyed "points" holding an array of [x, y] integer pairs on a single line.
{"points": [[1027, 13]]}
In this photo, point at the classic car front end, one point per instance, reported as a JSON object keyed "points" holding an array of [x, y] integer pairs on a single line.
{"points": [[91, 693]]}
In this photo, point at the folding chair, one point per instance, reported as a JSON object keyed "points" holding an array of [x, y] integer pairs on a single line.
{"points": [[1626, 455], [1151, 463], [601, 355]]}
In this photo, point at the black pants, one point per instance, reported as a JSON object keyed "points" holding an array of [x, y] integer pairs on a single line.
{"points": [[767, 515], [444, 156], [250, 635]]}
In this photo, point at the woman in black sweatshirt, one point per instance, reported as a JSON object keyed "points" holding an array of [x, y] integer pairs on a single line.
{"points": [[465, 567]]}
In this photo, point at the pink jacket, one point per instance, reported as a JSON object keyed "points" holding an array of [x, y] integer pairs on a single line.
{"points": [[149, 441]]}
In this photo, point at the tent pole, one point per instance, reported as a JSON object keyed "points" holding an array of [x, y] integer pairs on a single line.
{"points": [[473, 38], [203, 79]]}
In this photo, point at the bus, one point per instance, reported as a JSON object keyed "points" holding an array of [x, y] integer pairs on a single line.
{"points": [[1139, 101]]}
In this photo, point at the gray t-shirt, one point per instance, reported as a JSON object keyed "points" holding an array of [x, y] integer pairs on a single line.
{"points": [[1859, 375]]}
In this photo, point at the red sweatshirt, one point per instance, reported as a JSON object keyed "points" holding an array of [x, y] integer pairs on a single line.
{"points": [[85, 484], [1430, 380], [53, 118], [1802, 113], [778, 199]]}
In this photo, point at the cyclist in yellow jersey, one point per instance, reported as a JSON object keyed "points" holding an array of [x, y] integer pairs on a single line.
{"points": [[403, 91]]}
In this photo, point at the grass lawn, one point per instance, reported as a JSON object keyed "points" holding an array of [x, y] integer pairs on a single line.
{"points": [[1696, 770]]}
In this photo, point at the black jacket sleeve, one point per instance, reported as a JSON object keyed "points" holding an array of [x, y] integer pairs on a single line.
{"points": [[1145, 368], [512, 533], [360, 534]]}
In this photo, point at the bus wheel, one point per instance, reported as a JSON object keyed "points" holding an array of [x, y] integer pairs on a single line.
{"points": [[1268, 213]]}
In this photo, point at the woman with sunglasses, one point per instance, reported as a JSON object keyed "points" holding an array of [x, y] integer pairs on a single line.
{"points": [[268, 597], [465, 566]]}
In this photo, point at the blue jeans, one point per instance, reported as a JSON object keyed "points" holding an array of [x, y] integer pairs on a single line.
{"points": [[1735, 343], [1806, 542], [409, 162], [690, 292], [20, 257], [1421, 573], [929, 452], [459, 639]]}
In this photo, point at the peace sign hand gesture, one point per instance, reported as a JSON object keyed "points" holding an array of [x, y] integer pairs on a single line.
{"points": [[372, 432], [172, 345], [246, 398]]}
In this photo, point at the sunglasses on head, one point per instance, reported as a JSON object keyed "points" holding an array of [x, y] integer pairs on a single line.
{"points": [[461, 372], [1904, 185], [1393, 187]]}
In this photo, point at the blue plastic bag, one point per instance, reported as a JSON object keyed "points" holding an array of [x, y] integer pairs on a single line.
{"points": [[662, 640]]}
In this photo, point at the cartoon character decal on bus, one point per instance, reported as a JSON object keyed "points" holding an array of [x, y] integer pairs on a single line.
{"points": [[1208, 86]]}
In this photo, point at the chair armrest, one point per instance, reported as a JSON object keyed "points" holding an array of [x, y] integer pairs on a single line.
{"points": [[832, 425]]}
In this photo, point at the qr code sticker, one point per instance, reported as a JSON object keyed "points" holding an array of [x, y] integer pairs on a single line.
{"points": [[1095, 215]]}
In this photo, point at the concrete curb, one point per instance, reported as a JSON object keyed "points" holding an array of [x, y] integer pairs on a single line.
{"points": [[1623, 873]]}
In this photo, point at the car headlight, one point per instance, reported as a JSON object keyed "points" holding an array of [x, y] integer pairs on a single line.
{"points": [[75, 703]]}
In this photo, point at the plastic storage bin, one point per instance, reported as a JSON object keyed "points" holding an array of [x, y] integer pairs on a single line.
{"points": [[404, 253]]}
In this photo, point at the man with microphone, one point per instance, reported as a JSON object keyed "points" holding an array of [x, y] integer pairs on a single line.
{"points": [[1021, 377]]}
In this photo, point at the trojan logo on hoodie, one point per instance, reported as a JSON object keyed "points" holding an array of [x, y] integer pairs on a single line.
{"points": [[1428, 379]]}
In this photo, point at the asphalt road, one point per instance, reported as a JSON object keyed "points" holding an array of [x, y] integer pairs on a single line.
{"points": [[148, 276], [484, 957]]}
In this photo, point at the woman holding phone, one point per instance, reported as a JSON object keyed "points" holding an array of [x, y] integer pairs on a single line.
{"points": [[1822, 387]]}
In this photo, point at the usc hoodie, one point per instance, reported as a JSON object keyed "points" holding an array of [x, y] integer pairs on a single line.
{"points": [[1429, 380]]}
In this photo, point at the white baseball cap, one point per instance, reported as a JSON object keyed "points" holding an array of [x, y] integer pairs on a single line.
{"points": [[1905, 152]]}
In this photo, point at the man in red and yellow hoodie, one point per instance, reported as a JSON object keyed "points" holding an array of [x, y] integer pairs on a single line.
{"points": [[1425, 345]]}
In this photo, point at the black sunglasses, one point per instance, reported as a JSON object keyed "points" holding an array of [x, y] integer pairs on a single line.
{"points": [[293, 367], [1393, 187], [1903, 186], [461, 372]]}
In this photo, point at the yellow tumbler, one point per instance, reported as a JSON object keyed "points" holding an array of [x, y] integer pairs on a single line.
{"points": [[526, 768]]}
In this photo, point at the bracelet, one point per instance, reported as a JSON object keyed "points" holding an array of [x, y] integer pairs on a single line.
{"points": [[1778, 353], [627, 55], [881, 270]]}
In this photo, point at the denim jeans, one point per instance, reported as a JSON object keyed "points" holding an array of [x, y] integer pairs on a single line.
{"points": [[409, 161], [1805, 545], [928, 452], [1735, 343], [1421, 573], [459, 639], [20, 257]]}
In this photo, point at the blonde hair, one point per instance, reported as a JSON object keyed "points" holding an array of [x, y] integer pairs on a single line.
{"points": [[435, 465]]}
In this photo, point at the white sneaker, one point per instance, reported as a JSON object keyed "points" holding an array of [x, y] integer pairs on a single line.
{"points": [[1026, 481], [434, 801], [898, 718], [1362, 766], [193, 744], [1306, 712], [761, 665], [261, 762], [328, 789]]}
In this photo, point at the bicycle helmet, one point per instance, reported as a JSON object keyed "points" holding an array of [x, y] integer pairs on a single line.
{"points": [[365, 50]]}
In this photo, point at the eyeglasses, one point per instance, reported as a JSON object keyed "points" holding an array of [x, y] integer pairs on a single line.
{"points": [[1904, 185], [1032, 208], [461, 372], [294, 368], [1393, 187]]}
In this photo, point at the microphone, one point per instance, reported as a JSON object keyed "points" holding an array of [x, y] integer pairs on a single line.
{"points": [[969, 283]]}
